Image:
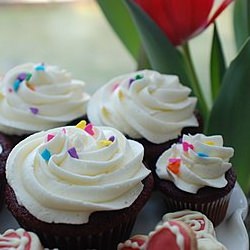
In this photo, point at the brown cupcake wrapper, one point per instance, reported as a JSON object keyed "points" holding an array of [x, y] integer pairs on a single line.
{"points": [[106, 240], [215, 210]]}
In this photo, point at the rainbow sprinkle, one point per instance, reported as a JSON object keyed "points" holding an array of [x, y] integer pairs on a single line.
{"points": [[103, 143], [50, 137], [174, 165], [111, 138], [22, 76], [186, 146], [211, 143], [89, 129], [202, 155], [40, 67], [16, 85], [82, 124], [137, 77], [72, 152], [46, 154], [34, 110]]}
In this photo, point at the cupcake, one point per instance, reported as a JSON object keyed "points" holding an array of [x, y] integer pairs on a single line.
{"points": [[5, 148], [197, 175], [147, 106], [77, 187], [201, 225], [20, 239], [174, 235], [35, 97]]}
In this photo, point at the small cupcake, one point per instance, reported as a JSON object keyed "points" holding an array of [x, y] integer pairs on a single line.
{"points": [[197, 175], [147, 106], [77, 187], [5, 148], [35, 97], [20, 239], [173, 235], [201, 225]]}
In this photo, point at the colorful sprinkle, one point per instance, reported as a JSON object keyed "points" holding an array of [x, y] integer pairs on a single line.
{"points": [[21, 76], [138, 77], [89, 129], [34, 110], [200, 154], [111, 138], [31, 86], [211, 143], [186, 146], [115, 86], [28, 76], [50, 137], [120, 95], [40, 68], [82, 124], [72, 152], [10, 90], [46, 154], [103, 143], [16, 85], [174, 165], [64, 130]]}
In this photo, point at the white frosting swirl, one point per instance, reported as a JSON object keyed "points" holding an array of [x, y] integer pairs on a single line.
{"points": [[37, 97], [196, 162], [74, 173], [144, 104], [20, 239]]}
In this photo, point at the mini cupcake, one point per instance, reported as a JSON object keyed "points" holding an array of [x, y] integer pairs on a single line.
{"points": [[5, 148], [147, 106], [20, 239], [174, 235], [35, 97], [197, 175], [201, 225], [77, 187]]}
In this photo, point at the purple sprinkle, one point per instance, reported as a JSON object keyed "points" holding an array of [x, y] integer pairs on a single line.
{"points": [[21, 76], [34, 110], [111, 138], [72, 152]]}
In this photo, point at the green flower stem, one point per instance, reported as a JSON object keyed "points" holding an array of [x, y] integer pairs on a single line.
{"points": [[195, 83]]}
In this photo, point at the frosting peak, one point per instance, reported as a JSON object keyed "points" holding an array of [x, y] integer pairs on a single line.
{"points": [[74, 171], [196, 162], [144, 104]]}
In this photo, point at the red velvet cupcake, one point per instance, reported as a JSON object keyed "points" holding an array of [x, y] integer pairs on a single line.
{"points": [[78, 187], [196, 175]]}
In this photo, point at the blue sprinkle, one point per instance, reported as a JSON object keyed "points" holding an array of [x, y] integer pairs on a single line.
{"points": [[46, 154], [200, 154], [16, 85], [40, 68]]}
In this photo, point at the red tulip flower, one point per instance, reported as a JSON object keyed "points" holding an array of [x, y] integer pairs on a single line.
{"points": [[182, 19]]}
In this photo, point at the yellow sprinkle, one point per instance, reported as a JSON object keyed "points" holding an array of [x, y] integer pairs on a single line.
{"points": [[31, 86], [82, 124], [105, 112], [120, 95], [210, 143], [103, 143]]}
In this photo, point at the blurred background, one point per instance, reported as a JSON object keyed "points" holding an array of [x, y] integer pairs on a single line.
{"points": [[76, 36]]}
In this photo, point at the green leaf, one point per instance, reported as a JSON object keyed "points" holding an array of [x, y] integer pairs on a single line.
{"points": [[230, 115], [119, 18], [217, 64], [241, 21], [163, 56]]}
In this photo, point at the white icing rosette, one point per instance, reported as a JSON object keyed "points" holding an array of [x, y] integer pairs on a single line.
{"points": [[34, 97], [197, 162], [144, 104], [75, 171]]}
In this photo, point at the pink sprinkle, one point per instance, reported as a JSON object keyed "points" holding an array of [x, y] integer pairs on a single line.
{"points": [[64, 130], [10, 90], [34, 110], [72, 152], [174, 160], [186, 146], [89, 129], [50, 137], [115, 87]]}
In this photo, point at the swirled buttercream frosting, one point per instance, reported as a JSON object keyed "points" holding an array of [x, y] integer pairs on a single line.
{"points": [[35, 97], [197, 162], [63, 175], [144, 104], [20, 239]]}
